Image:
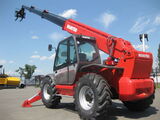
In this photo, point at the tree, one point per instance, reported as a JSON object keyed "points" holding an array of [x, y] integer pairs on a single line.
{"points": [[20, 71], [159, 56], [27, 71]]}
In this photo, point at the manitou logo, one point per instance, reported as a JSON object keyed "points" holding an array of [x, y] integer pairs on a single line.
{"points": [[72, 28]]}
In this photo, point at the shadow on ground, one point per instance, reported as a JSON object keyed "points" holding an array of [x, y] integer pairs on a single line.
{"points": [[116, 110], [67, 106]]}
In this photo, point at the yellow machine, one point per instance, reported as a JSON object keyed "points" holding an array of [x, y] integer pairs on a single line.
{"points": [[6, 80]]}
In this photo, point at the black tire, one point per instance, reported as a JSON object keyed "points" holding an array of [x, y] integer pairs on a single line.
{"points": [[140, 105], [100, 100], [22, 86], [51, 100]]}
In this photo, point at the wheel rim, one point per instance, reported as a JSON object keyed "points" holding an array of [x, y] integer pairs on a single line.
{"points": [[45, 92], [86, 97]]}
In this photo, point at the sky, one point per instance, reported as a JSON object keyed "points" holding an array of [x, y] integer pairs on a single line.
{"points": [[26, 42]]}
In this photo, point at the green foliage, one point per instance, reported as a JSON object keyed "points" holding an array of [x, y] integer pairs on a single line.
{"points": [[27, 71], [20, 71]]}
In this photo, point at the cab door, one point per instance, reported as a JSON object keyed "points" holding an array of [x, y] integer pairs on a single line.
{"points": [[61, 63], [65, 66]]}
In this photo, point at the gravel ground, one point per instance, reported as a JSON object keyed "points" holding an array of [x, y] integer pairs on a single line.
{"points": [[11, 100]]}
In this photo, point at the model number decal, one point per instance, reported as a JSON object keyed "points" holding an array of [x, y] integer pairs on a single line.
{"points": [[143, 55], [72, 28]]}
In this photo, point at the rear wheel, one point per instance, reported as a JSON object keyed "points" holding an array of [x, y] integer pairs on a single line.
{"points": [[49, 97], [22, 85], [92, 97], [139, 105]]}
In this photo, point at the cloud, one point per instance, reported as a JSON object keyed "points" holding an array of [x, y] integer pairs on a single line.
{"points": [[42, 58], [107, 18], [139, 25], [11, 62], [31, 61], [140, 47], [2, 62], [150, 30], [52, 56], [157, 20], [35, 52], [35, 56], [70, 13], [56, 36], [35, 37]]}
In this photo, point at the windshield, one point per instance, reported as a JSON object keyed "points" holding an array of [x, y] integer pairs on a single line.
{"points": [[86, 51]]}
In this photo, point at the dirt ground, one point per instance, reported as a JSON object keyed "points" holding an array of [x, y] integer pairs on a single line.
{"points": [[11, 100]]}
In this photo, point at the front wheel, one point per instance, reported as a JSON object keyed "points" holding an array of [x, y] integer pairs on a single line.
{"points": [[49, 97], [139, 105], [92, 97]]}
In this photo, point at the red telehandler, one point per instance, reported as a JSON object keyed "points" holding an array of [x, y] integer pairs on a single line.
{"points": [[78, 71]]}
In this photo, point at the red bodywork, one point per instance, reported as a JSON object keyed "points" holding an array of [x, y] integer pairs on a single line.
{"points": [[28, 102], [65, 89], [134, 82]]}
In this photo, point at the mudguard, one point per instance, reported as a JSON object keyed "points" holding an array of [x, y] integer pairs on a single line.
{"points": [[96, 68]]}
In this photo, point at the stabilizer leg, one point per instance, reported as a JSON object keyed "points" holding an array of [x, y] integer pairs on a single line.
{"points": [[36, 97]]}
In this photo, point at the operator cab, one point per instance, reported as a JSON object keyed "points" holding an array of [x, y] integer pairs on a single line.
{"points": [[73, 53], [76, 49]]}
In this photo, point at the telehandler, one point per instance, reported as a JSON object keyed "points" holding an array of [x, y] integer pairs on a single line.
{"points": [[78, 71]]}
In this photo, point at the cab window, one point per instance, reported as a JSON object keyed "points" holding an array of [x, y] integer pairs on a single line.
{"points": [[72, 51], [86, 51], [61, 57]]}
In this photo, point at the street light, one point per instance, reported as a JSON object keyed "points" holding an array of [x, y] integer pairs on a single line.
{"points": [[142, 39]]}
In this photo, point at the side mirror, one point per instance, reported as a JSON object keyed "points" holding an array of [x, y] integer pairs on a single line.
{"points": [[50, 47]]}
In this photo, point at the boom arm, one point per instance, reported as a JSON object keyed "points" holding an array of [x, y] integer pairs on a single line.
{"points": [[109, 44], [129, 58]]}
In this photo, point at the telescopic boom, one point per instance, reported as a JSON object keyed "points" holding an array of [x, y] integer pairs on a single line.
{"points": [[105, 41]]}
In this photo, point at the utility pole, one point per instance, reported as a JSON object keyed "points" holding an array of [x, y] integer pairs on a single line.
{"points": [[142, 39], [1, 69]]}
